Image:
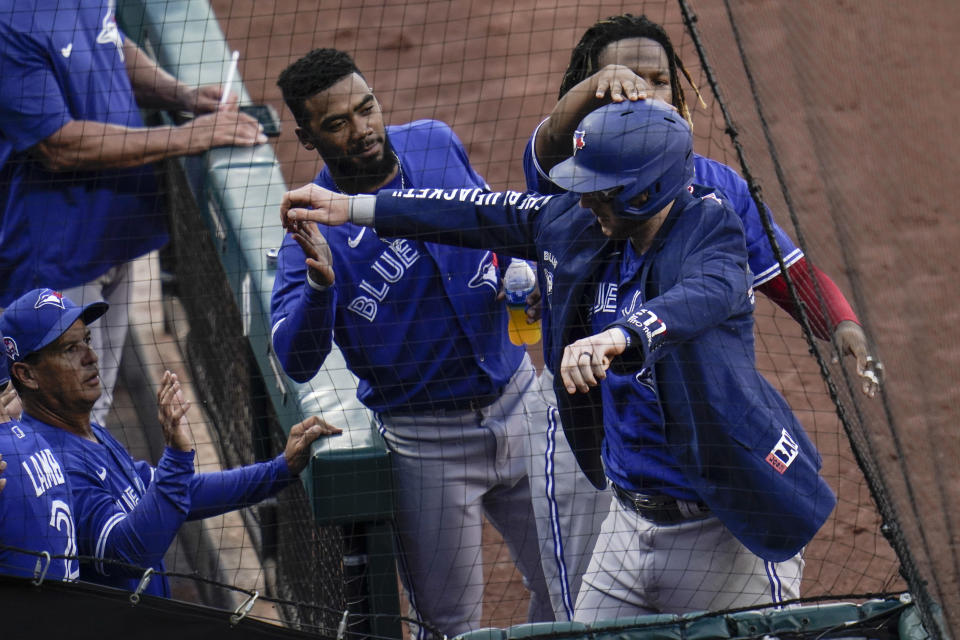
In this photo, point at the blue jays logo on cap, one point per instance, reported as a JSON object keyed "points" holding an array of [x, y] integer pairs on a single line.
{"points": [[10, 347], [39, 317], [48, 296], [579, 141]]}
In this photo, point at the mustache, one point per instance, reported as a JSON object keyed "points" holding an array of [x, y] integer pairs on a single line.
{"points": [[348, 166]]}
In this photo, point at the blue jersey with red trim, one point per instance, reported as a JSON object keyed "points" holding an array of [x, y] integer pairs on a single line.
{"points": [[62, 60], [36, 508], [418, 323]]}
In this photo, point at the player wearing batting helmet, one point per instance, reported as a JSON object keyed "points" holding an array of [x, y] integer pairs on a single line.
{"points": [[627, 57], [651, 343]]}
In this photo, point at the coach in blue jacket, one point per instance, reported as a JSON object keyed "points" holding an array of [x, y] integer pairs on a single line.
{"points": [[648, 286]]}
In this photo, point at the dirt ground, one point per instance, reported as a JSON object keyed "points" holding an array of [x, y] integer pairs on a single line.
{"points": [[854, 97]]}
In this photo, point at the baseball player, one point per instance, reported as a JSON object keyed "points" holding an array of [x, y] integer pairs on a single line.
{"points": [[422, 328], [36, 508], [73, 145], [630, 57], [651, 344], [123, 509]]}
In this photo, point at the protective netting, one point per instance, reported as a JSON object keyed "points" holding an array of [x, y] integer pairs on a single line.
{"points": [[831, 153]]}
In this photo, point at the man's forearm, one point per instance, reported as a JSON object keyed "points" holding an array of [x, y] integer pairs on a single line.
{"points": [[552, 144], [87, 145], [152, 86]]}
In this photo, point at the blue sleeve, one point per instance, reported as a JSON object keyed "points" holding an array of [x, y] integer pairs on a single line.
{"points": [[713, 285], [214, 493], [142, 536], [300, 316], [732, 187], [501, 221], [536, 180], [32, 105], [461, 153]]}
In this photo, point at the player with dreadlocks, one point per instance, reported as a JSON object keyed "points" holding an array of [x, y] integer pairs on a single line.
{"points": [[584, 61], [628, 57]]}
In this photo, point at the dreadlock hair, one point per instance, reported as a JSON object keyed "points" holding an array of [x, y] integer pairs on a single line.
{"points": [[315, 72], [585, 56]]}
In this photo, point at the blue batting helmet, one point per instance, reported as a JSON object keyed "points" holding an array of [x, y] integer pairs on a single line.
{"points": [[642, 146]]}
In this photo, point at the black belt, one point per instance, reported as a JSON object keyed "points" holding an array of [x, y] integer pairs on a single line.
{"points": [[447, 407], [660, 508]]}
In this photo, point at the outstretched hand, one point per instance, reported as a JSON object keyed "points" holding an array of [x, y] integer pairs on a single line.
{"points": [[851, 340], [319, 257], [301, 437], [585, 362], [171, 409], [316, 204]]}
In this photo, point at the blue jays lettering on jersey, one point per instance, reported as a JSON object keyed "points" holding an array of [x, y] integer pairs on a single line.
{"points": [[418, 323], [693, 333], [36, 508], [128, 511], [63, 61], [635, 451], [729, 185]]}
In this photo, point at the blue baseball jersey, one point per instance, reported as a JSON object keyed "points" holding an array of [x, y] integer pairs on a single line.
{"points": [[740, 447], [62, 60], [635, 451], [129, 511], [418, 323], [729, 185], [36, 508]]}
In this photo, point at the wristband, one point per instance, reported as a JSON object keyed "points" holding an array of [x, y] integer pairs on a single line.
{"points": [[362, 208], [315, 285]]}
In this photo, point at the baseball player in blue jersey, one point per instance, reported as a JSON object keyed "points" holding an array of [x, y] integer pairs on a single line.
{"points": [[74, 147], [629, 57], [36, 508], [651, 343], [422, 328], [124, 510]]}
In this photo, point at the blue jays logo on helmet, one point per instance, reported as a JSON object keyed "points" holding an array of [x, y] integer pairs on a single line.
{"points": [[644, 146], [49, 296], [10, 348], [579, 141]]}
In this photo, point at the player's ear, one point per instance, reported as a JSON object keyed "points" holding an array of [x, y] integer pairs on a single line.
{"points": [[305, 138], [24, 374]]}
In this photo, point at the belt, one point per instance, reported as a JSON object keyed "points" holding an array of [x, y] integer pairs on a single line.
{"points": [[659, 508], [442, 408]]}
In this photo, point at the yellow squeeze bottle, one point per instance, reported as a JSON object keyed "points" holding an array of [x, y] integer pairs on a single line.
{"points": [[518, 282]]}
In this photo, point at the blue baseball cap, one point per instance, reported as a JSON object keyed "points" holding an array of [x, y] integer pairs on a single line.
{"points": [[4, 374], [38, 318]]}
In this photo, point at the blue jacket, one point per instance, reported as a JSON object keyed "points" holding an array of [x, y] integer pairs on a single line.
{"points": [[735, 437]]}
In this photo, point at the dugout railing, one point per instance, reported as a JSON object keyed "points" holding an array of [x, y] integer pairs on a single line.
{"points": [[224, 220]]}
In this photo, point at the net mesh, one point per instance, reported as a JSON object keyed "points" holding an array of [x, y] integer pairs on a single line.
{"points": [[491, 71]]}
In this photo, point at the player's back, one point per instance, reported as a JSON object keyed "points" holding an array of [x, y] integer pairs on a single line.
{"points": [[35, 507]]}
